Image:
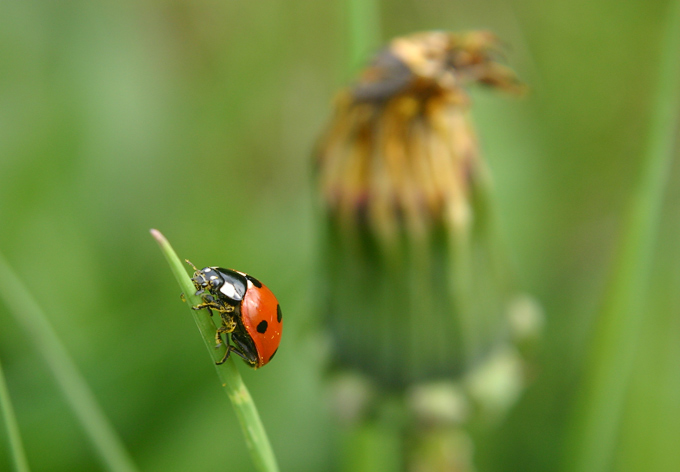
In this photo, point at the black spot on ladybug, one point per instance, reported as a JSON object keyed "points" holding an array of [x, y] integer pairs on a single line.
{"points": [[272, 357], [255, 282], [262, 327], [279, 316]]}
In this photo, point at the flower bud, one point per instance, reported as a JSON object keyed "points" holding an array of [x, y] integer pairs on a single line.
{"points": [[413, 288]]}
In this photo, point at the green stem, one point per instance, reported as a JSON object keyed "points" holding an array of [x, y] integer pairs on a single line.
{"points": [[595, 430], [28, 313], [364, 26], [16, 447], [369, 447], [253, 430]]}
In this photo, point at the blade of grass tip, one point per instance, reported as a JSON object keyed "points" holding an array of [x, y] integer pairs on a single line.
{"points": [[253, 429], [30, 316], [594, 433], [15, 444]]}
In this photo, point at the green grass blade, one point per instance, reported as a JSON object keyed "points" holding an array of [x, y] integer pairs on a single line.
{"points": [[15, 444], [253, 430], [30, 316], [594, 432]]}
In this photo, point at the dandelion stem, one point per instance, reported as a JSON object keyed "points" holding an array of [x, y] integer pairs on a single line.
{"points": [[372, 446], [253, 430]]}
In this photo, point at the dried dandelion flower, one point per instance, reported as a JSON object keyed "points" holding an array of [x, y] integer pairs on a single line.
{"points": [[414, 290]]}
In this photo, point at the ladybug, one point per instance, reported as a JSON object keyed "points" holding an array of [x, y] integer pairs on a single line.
{"points": [[250, 313]]}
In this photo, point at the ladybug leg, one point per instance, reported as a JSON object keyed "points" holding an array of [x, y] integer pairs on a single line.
{"points": [[245, 348], [208, 301], [218, 338], [228, 321], [238, 350], [230, 348], [213, 305], [226, 355], [228, 326]]}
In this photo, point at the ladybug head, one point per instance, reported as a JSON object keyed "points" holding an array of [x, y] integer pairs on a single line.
{"points": [[205, 279]]}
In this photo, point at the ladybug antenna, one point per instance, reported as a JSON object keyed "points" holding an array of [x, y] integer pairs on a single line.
{"points": [[192, 265]]}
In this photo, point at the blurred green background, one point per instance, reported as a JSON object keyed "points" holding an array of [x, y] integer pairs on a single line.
{"points": [[198, 118]]}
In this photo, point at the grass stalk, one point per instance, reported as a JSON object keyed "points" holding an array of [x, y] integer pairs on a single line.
{"points": [[15, 444], [364, 29], [253, 429], [77, 392], [598, 416]]}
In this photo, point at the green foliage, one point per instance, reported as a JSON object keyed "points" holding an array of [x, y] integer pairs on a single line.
{"points": [[596, 430], [77, 393]]}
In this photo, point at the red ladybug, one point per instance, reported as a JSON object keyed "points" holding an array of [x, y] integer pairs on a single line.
{"points": [[250, 313]]}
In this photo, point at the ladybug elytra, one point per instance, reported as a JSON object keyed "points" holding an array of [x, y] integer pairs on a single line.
{"points": [[250, 313]]}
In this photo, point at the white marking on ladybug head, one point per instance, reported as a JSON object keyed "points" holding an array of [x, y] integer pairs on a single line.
{"points": [[229, 290]]}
